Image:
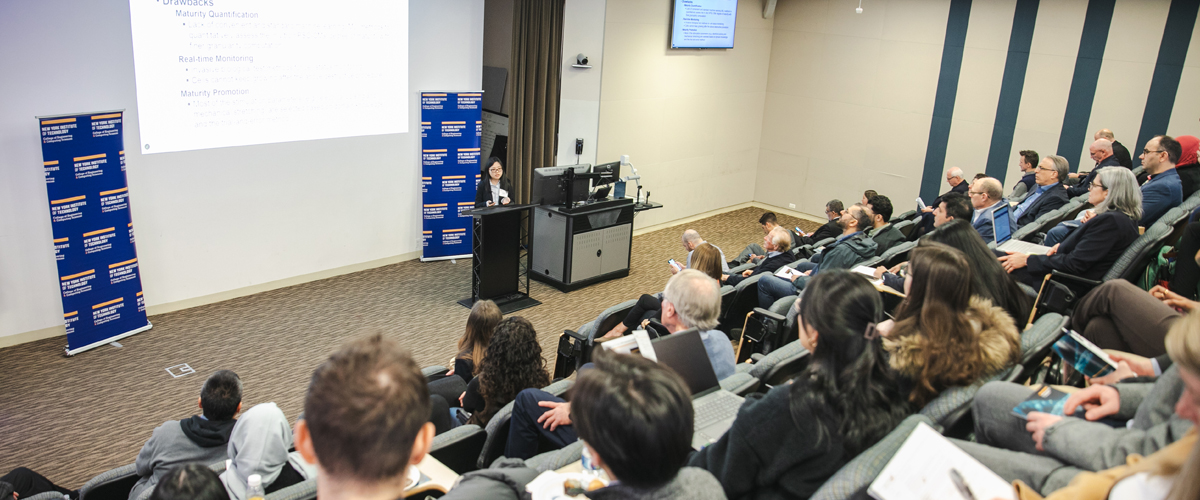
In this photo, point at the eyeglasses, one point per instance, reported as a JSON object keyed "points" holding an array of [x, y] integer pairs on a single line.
{"points": [[1097, 185], [1147, 151], [1045, 169], [495, 169]]}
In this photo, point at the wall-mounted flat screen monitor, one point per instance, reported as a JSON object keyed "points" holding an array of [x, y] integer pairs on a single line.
{"points": [[703, 24]]}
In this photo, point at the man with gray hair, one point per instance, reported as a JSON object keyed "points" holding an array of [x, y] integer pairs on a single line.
{"points": [[777, 242], [954, 177], [1102, 153], [1049, 195], [691, 240], [691, 300], [986, 194]]}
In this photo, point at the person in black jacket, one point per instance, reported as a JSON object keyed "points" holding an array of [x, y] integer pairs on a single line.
{"points": [[1091, 250], [831, 229], [776, 243], [1119, 150], [1049, 195], [787, 443], [494, 189], [1100, 151]]}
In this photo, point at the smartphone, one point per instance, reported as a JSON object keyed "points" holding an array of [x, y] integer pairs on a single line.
{"points": [[674, 264]]}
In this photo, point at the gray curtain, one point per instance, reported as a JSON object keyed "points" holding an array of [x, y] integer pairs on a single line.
{"points": [[536, 70]]}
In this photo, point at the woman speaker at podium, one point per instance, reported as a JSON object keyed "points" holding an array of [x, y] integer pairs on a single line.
{"points": [[494, 189]]}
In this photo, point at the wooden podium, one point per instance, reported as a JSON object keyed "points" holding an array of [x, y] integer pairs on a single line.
{"points": [[500, 257]]}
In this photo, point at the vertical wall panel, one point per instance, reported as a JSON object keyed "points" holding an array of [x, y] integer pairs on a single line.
{"points": [[947, 90], [1168, 70], [1012, 86], [1083, 84]]}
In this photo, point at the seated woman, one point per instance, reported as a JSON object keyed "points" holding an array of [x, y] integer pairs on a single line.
{"points": [[705, 258], [1172, 472], [472, 346], [988, 279], [259, 445], [1119, 315], [1091, 250], [787, 443], [495, 188], [513, 363], [943, 336]]}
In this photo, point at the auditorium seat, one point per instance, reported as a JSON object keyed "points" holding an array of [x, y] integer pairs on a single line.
{"points": [[909, 215], [47, 495], [304, 490], [1035, 345], [497, 427], [557, 459], [905, 227], [112, 484], [852, 480], [459, 448], [897, 254], [745, 299], [780, 365]]}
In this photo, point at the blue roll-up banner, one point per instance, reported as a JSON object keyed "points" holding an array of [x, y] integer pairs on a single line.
{"points": [[84, 160], [451, 124]]}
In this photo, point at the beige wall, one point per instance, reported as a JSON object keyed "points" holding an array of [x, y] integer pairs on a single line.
{"points": [[497, 39], [690, 120], [849, 101]]}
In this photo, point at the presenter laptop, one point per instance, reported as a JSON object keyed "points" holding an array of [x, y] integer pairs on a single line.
{"points": [[1002, 234], [714, 407]]}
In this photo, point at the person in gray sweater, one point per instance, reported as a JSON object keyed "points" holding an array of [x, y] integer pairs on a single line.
{"points": [[201, 438]]}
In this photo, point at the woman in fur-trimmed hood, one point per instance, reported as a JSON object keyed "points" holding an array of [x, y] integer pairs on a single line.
{"points": [[943, 336]]}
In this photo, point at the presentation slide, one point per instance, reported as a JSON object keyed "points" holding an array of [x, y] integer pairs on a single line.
{"points": [[703, 24], [220, 73]]}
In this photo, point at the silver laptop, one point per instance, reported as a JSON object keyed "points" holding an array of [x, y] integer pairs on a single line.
{"points": [[715, 408], [1002, 234]]}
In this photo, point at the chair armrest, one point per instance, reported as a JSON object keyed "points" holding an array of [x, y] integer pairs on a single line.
{"points": [[1059, 274], [434, 371], [575, 335]]}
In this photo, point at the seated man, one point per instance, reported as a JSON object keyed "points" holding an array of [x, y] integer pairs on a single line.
{"points": [[1049, 195], [954, 177], [190, 482], [1047, 451], [831, 229], [885, 235], [691, 300], [365, 421], [1102, 153], [691, 240], [852, 247], [777, 243], [202, 438], [986, 195], [755, 252], [1025, 162]]}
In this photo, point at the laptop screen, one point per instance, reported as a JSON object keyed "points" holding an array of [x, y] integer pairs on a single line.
{"points": [[684, 352], [1001, 225]]}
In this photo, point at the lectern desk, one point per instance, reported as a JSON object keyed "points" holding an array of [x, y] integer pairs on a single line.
{"points": [[499, 258], [576, 247]]}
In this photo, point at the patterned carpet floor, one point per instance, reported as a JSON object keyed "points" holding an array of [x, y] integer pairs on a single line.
{"points": [[73, 418]]}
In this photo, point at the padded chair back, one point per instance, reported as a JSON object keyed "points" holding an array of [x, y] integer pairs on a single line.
{"points": [[607, 319], [1073, 211], [905, 226], [47, 495], [304, 490], [897, 254], [497, 427], [821, 244], [1131, 264], [114, 484], [745, 300], [952, 408], [781, 365], [909, 215], [1035, 345], [459, 448], [871, 262], [1042, 224], [854, 477], [743, 267]]}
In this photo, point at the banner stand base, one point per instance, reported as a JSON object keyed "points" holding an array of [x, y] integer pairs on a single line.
{"points": [[448, 257], [71, 352]]}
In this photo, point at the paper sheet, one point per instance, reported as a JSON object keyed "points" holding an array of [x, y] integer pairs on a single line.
{"points": [[920, 470]]}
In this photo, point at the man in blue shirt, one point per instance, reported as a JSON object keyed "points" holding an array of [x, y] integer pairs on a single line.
{"points": [[1049, 195], [1163, 191]]}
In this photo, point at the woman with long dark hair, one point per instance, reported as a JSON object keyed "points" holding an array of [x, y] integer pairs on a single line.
{"points": [[513, 363], [494, 188], [943, 335], [787, 443], [988, 278], [472, 346]]}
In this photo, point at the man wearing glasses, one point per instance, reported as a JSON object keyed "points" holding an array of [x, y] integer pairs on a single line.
{"points": [[1163, 191], [1048, 196], [1101, 152]]}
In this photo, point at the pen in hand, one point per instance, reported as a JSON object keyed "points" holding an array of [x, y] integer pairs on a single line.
{"points": [[961, 484]]}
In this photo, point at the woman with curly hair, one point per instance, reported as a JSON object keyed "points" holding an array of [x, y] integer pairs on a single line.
{"points": [[944, 336], [513, 363]]}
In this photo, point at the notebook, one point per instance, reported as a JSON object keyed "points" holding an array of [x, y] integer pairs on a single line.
{"points": [[923, 468], [1002, 234], [714, 407]]}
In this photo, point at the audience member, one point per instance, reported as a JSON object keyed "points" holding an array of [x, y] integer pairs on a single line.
{"points": [[1102, 153], [691, 300], [202, 438], [788, 442], [365, 421], [513, 363], [755, 252], [1119, 315], [635, 419], [1026, 161], [852, 247], [954, 177], [691, 240], [472, 346], [1063, 447], [1186, 280], [882, 232], [1119, 150], [649, 307], [776, 245], [26, 483], [1187, 167], [189, 482], [1164, 190], [943, 336], [1049, 195], [867, 196], [259, 445], [986, 194], [831, 229], [1090, 251], [952, 206]]}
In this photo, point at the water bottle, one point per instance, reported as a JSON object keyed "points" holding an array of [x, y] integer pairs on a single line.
{"points": [[254, 487], [588, 464]]}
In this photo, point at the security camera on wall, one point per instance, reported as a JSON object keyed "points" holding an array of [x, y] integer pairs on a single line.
{"points": [[581, 60]]}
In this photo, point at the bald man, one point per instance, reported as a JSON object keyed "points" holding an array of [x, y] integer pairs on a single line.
{"points": [[1102, 153], [1119, 150], [986, 194]]}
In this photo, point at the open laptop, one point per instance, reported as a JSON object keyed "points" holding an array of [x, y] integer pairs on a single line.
{"points": [[714, 407], [1002, 234]]}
